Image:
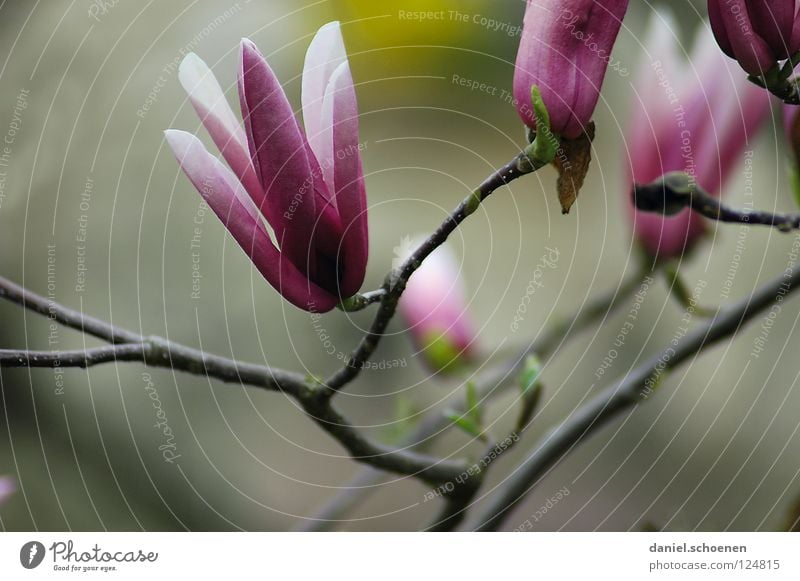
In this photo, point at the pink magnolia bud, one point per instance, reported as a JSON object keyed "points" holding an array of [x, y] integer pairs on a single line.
{"points": [[565, 50], [308, 187], [757, 33], [434, 306], [695, 117], [7, 487]]}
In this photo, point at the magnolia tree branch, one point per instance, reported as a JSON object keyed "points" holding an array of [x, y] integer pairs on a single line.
{"points": [[490, 384], [675, 191], [67, 317], [626, 393], [314, 397], [159, 352]]}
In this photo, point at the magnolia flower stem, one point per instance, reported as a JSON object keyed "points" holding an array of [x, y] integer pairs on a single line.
{"points": [[682, 292], [780, 83], [361, 301], [458, 503], [628, 392], [714, 210]]}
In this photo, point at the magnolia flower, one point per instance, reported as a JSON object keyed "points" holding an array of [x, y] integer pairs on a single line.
{"points": [[7, 487], [434, 306], [309, 188], [695, 117], [565, 50], [757, 33]]}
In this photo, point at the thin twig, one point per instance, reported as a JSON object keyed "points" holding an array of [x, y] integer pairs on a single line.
{"points": [[489, 385], [627, 392], [159, 352], [674, 192], [67, 317], [398, 280]]}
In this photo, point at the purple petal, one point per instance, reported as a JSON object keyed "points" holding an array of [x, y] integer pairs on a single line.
{"points": [[651, 103], [7, 487], [737, 36], [719, 111], [340, 114], [435, 302], [226, 197], [555, 55], [279, 153], [209, 101], [719, 28], [773, 21], [324, 55]]}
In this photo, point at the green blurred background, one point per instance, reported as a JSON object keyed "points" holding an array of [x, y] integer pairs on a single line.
{"points": [[711, 450]]}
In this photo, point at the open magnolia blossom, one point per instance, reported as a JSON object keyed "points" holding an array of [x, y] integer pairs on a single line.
{"points": [[307, 187], [757, 33], [694, 116]]}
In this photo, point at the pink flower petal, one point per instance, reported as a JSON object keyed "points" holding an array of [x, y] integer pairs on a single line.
{"points": [[324, 55], [736, 35], [564, 50], [703, 132], [340, 114], [7, 487], [279, 154], [435, 302], [216, 114]]}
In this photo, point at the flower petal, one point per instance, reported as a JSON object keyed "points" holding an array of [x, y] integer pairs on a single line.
{"points": [[7, 487], [435, 303], [216, 114], [564, 50], [733, 27], [703, 133], [340, 115], [279, 154], [651, 107], [324, 55], [226, 197], [773, 21]]}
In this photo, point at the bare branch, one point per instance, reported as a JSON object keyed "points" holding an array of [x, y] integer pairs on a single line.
{"points": [[396, 282], [676, 191], [67, 317], [627, 392], [491, 384], [80, 358]]}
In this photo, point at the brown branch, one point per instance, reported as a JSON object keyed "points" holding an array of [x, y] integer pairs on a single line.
{"points": [[676, 191], [491, 384], [67, 317], [627, 392], [159, 352]]}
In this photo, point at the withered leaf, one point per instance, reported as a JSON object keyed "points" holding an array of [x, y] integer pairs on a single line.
{"points": [[572, 162]]}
